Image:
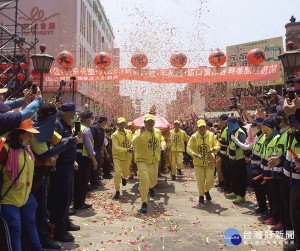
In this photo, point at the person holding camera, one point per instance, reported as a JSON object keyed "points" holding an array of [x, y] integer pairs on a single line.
{"points": [[122, 154], [11, 120], [61, 181], [292, 166], [44, 122], [86, 159]]}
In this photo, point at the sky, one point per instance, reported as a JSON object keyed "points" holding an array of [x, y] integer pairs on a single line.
{"points": [[195, 27]]}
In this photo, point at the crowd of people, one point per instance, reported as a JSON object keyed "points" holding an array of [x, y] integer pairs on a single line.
{"points": [[53, 154]]}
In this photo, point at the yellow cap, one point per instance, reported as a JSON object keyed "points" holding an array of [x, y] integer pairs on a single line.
{"points": [[201, 122], [176, 122], [129, 123], [149, 117], [121, 120]]}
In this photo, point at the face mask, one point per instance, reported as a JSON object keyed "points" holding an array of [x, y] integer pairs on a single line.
{"points": [[74, 119]]}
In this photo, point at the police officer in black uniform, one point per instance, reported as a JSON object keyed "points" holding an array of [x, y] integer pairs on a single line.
{"points": [[61, 181]]}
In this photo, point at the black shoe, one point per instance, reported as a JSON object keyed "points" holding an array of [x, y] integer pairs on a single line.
{"points": [[71, 211], [221, 184], [179, 172], [208, 197], [201, 199], [124, 182], [84, 206], [94, 187], [99, 183], [152, 193], [131, 177], [289, 247], [117, 196], [50, 245], [144, 208], [173, 177], [159, 175], [260, 211], [72, 227], [64, 237]]}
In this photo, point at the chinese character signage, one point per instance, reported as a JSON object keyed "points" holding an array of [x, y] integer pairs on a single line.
{"points": [[188, 75]]}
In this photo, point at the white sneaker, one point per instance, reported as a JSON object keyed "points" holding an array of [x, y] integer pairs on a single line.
{"points": [[254, 204]]}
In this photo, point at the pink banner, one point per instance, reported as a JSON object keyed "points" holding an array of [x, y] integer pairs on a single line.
{"points": [[184, 75]]}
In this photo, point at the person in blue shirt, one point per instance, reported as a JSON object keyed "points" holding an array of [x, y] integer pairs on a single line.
{"points": [[12, 120], [98, 135]]}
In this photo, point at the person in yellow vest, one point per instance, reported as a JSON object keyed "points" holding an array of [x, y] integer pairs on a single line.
{"points": [[178, 137], [122, 154], [147, 142], [203, 146]]}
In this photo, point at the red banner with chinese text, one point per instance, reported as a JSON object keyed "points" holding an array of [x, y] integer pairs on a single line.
{"points": [[185, 75]]}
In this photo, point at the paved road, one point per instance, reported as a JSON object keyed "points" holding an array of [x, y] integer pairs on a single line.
{"points": [[175, 220]]}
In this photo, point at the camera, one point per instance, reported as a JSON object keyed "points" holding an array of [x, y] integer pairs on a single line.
{"points": [[62, 83], [266, 97], [234, 103]]}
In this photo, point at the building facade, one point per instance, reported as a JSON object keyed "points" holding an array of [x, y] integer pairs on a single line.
{"points": [[82, 28]]}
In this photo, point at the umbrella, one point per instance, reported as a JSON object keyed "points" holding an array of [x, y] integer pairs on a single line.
{"points": [[160, 122]]}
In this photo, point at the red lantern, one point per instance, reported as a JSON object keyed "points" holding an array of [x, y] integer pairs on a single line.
{"points": [[297, 72], [35, 74], [290, 45], [3, 66], [139, 60], [12, 66], [102, 60], [256, 56], [3, 78], [20, 77], [23, 66], [65, 59], [178, 59], [43, 48], [217, 58]]}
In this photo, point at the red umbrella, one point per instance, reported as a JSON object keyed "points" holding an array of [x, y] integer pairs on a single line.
{"points": [[160, 122]]}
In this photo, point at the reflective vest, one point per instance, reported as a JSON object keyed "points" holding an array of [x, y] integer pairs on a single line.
{"points": [[235, 152], [80, 148], [178, 139], [224, 148], [256, 152], [289, 170], [267, 151], [280, 149]]}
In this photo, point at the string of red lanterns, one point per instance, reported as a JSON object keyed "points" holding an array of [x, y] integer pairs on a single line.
{"points": [[139, 60]]}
